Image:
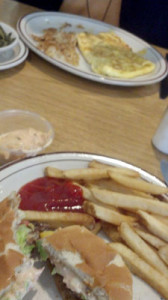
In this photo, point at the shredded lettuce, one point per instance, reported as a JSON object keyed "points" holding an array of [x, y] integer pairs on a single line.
{"points": [[21, 239], [54, 271], [41, 250], [27, 284]]}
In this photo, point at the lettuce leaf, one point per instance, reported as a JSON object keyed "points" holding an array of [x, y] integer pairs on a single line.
{"points": [[41, 250], [54, 271], [21, 239]]}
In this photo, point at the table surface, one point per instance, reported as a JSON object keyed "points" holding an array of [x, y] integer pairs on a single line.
{"points": [[87, 116]]}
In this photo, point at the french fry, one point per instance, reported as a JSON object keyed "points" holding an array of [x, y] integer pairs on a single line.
{"points": [[59, 219], [113, 186], [163, 252], [141, 248], [142, 269], [150, 238], [162, 219], [154, 225], [116, 170], [87, 173], [130, 202], [138, 184], [112, 232], [143, 194], [87, 194], [78, 174], [97, 228], [54, 172], [106, 214], [132, 214]]}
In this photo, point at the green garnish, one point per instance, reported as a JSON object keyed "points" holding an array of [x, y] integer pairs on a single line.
{"points": [[5, 39], [41, 250], [54, 271], [21, 239]]}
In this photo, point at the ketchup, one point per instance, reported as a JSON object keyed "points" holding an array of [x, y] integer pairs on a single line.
{"points": [[51, 194]]}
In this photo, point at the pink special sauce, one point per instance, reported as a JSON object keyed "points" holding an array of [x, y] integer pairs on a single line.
{"points": [[23, 139]]}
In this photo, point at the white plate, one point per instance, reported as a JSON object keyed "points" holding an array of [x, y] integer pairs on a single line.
{"points": [[17, 174], [13, 57], [35, 23]]}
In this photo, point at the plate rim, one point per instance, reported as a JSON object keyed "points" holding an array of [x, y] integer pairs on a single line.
{"points": [[18, 59], [91, 76], [89, 155]]}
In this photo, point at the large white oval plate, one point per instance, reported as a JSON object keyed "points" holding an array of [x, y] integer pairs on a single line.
{"points": [[36, 22], [15, 175]]}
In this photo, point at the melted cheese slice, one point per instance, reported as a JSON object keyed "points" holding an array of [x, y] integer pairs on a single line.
{"points": [[108, 55]]}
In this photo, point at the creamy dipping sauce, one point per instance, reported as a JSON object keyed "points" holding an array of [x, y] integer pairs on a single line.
{"points": [[23, 139]]}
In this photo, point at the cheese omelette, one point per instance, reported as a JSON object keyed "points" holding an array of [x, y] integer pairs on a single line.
{"points": [[109, 55]]}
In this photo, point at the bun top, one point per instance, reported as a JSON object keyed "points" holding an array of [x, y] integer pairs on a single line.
{"points": [[8, 218], [6, 231], [5, 206], [8, 264], [10, 257], [99, 261]]}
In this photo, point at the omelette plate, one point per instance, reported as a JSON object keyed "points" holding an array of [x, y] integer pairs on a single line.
{"points": [[35, 23]]}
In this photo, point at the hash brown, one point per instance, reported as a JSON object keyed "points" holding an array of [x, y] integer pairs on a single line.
{"points": [[59, 44]]}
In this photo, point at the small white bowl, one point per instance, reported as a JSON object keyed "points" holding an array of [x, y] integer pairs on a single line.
{"points": [[23, 134], [8, 29]]}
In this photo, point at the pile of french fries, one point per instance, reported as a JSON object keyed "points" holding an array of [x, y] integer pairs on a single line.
{"points": [[131, 214]]}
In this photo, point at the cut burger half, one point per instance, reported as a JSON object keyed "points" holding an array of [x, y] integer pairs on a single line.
{"points": [[88, 266], [17, 271]]}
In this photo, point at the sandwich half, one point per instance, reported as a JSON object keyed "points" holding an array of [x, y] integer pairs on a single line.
{"points": [[17, 271], [87, 264]]}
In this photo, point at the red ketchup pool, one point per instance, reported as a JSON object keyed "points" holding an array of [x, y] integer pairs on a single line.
{"points": [[51, 194]]}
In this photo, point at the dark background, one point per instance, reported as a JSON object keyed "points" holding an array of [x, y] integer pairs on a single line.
{"points": [[147, 19]]}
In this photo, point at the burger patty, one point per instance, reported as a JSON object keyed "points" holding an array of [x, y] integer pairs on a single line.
{"points": [[65, 293]]}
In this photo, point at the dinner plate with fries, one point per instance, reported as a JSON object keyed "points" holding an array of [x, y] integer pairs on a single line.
{"points": [[129, 203]]}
